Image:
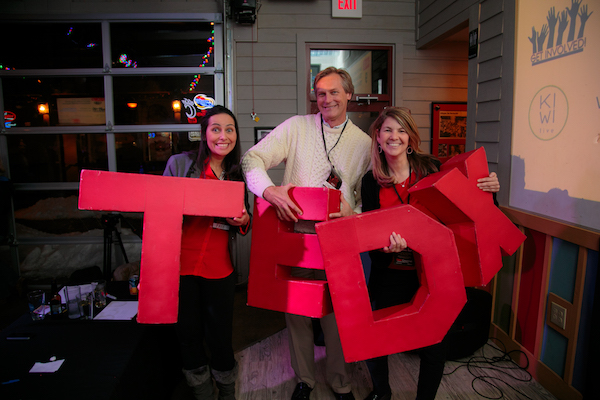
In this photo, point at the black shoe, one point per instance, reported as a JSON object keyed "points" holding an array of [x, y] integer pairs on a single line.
{"points": [[376, 396], [343, 396], [302, 392]]}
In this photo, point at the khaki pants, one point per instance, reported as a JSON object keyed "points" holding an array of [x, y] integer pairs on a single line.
{"points": [[302, 350]]}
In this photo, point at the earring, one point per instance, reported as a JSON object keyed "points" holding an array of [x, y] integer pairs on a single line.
{"points": [[380, 149], [409, 150]]}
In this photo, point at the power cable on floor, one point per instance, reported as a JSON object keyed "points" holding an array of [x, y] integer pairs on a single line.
{"points": [[479, 365]]}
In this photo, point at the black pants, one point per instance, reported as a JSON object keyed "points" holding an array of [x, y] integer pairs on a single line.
{"points": [[206, 315], [388, 288]]}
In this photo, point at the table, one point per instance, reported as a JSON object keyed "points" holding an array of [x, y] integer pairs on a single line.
{"points": [[103, 360]]}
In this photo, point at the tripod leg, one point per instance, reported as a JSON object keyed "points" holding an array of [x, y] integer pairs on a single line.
{"points": [[107, 264], [120, 241]]}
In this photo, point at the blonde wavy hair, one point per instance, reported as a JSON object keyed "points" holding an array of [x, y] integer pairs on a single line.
{"points": [[420, 162]]}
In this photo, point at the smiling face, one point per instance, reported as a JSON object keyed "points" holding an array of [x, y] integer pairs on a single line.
{"points": [[332, 99], [393, 138], [221, 135]]}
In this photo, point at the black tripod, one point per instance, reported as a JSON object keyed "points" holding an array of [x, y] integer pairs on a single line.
{"points": [[110, 222]]}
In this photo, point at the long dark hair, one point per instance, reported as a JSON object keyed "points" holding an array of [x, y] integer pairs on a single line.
{"points": [[420, 162], [231, 163]]}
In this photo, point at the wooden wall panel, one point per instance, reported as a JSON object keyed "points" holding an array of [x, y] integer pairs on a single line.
{"points": [[489, 90], [491, 48], [530, 290], [491, 27], [488, 111], [420, 66], [439, 17], [435, 80], [266, 92], [265, 64], [490, 9], [491, 151], [310, 21], [489, 70], [487, 132]]}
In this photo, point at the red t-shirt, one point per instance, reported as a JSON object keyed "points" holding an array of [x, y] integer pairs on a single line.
{"points": [[389, 198], [204, 249]]}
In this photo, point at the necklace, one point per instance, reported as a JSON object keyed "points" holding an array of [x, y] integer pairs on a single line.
{"points": [[403, 184]]}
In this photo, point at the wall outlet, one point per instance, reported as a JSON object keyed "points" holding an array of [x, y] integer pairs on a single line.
{"points": [[558, 315]]}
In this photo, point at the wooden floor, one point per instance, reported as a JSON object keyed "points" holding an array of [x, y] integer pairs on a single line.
{"points": [[266, 374]]}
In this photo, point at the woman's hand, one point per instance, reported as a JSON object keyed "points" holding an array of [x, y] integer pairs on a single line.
{"points": [[489, 184], [241, 221], [397, 244]]}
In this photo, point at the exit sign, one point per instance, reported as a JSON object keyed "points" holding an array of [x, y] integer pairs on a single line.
{"points": [[346, 8]]}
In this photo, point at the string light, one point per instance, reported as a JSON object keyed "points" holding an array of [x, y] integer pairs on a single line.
{"points": [[205, 57], [89, 45], [211, 40], [194, 82], [123, 59]]}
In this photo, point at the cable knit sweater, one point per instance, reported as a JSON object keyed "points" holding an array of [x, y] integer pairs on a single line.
{"points": [[299, 143]]}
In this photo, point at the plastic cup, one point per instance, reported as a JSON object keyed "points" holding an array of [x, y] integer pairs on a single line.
{"points": [[74, 308]]}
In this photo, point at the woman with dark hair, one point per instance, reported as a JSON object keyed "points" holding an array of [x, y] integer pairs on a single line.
{"points": [[207, 281], [397, 164]]}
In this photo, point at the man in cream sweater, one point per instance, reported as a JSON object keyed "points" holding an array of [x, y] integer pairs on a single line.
{"points": [[324, 149]]}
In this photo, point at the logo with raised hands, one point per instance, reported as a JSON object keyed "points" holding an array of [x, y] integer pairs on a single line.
{"points": [[560, 31]]}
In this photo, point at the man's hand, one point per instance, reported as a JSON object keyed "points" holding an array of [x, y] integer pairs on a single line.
{"points": [[489, 184], [345, 211], [280, 199], [397, 244], [241, 221]]}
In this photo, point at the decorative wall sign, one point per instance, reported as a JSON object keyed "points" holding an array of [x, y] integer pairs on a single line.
{"points": [[261, 132], [448, 129]]}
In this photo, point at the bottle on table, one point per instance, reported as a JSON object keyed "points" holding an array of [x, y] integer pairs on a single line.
{"points": [[55, 301]]}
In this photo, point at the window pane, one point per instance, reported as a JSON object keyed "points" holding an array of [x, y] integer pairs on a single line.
{"points": [[368, 68], [162, 44], [46, 213], [150, 99], [65, 100], [50, 45], [148, 152], [55, 158], [56, 212]]}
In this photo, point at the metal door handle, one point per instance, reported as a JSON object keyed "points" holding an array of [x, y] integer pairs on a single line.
{"points": [[367, 98]]}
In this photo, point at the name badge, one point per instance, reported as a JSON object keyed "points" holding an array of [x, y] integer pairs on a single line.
{"points": [[334, 181], [405, 258], [217, 225]]}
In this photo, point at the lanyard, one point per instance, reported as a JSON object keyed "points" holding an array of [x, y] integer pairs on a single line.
{"points": [[396, 190], [338, 140]]}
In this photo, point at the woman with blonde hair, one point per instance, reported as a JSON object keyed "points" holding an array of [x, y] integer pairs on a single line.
{"points": [[397, 164]]}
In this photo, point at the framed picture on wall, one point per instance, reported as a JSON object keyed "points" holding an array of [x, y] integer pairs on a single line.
{"points": [[261, 132], [448, 129]]}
